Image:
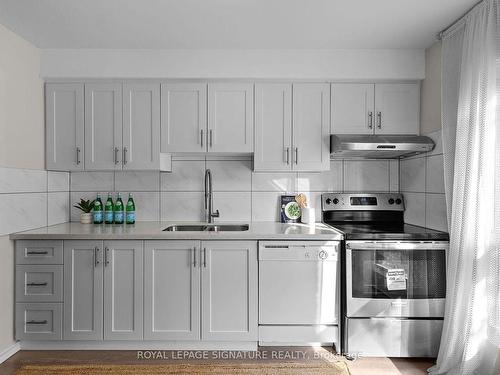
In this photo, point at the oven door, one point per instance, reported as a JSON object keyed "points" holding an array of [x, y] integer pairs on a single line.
{"points": [[395, 279]]}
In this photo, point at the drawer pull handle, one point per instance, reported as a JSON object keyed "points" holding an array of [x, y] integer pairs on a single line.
{"points": [[36, 284], [34, 252], [36, 322]]}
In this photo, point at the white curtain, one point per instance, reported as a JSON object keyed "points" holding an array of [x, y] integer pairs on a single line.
{"points": [[471, 137]]}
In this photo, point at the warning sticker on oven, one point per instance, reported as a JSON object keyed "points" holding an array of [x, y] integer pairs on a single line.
{"points": [[396, 279]]}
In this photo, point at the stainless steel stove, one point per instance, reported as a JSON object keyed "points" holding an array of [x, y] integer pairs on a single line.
{"points": [[393, 276]]}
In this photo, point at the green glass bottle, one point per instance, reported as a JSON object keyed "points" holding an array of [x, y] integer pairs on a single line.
{"points": [[98, 217], [118, 210], [108, 210], [130, 210]]}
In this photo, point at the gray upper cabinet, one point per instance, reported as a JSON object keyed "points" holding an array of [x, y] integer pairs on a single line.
{"points": [[230, 117], [141, 126], [381, 108], [123, 286], [311, 127], [83, 290], [172, 290], [103, 126], [184, 117], [273, 127], [229, 290], [64, 126]]}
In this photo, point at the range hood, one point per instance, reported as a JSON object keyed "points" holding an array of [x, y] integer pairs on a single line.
{"points": [[378, 146]]}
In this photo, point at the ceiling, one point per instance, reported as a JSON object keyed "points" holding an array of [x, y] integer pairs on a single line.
{"points": [[230, 24]]}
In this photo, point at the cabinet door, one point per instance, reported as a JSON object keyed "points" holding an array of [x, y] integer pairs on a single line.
{"points": [[183, 117], [83, 290], [352, 108], [141, 126], [397, 107], [103, 126], [230, 117], [229, 290], [123, 290], [273, 127], [172, 290], [311, 127], [64, 126]]}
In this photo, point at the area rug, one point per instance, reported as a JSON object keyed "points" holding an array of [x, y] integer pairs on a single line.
{"points": [[332, 368]]}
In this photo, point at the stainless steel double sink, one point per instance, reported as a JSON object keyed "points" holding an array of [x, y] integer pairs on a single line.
{"points": [[207, 228]]}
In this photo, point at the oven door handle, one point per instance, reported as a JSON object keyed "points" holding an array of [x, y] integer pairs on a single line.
{"points": [[403, 246]]}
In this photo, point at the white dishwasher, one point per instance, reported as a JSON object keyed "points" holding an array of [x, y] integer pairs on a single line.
{"points": [[298, 292]]}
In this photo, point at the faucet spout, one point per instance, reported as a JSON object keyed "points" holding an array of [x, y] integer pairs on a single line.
{"points": [[209, 198]]}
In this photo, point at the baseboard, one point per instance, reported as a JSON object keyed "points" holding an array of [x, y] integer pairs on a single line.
{"points": [[9, 352], [138, 345]]}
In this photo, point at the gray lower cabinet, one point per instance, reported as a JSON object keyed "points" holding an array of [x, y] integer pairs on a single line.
{"points": [[102, 290], [38, 321], [83, 294], [228, 287], [172, 290], [229, 291]]}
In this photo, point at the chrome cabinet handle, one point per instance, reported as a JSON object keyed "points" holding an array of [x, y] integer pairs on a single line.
{"points": [[205, 258], [287, 155], [125, 155], [201, 137], [36, 284], [194, 257], [36, 322], [210, 133], [116, 154], [370, 120], [106, 259], [379, 120], [96, 260], [78, 155], [34, 252], [296, 155]]}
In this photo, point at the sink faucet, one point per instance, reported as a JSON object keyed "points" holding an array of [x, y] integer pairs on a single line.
{"points": [[209, 198]]}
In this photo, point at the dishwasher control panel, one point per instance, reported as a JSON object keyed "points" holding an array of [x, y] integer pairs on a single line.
{"points": [[299, 250]]}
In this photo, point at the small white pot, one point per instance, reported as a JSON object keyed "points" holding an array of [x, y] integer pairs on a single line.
{"points": [[86, 218]]}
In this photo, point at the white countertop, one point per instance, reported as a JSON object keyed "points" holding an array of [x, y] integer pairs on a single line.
{"points": [[154, 230]]}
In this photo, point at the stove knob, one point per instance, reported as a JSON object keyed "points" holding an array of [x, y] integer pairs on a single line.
{"points": [[391, 201], [323, 254], [399, 201], [335, 201], [328, 201]]}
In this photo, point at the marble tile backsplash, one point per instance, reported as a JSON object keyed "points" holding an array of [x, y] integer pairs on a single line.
{"points": [[32, 198], [422, 183], [239, 193]]}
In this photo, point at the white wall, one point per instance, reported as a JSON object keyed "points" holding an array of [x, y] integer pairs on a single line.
{"points": [[21, 146], [375, 64], [21, 104]]}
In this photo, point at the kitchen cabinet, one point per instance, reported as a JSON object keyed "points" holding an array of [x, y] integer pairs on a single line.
{"points": [[228, 272], [64, 103], [381, 108], [292, 137], [102, 276], [172, 290], [83, 293], [141, 126], [273, 127], [184, 117], [229, 291], [103, 126], [230, 117], [123, 287]]}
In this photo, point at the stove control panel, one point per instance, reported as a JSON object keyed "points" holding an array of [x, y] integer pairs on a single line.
{"points": [[362, 202]]}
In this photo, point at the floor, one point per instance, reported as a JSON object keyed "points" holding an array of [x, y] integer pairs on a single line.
{"points": [[362, 366]]}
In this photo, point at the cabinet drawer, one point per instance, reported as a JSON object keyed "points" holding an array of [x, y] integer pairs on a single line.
{"points": [[39, 283], [39, 252], [39, 321]]}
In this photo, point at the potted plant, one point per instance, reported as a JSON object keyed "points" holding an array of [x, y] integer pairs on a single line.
{"points": [[86, 206]]}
